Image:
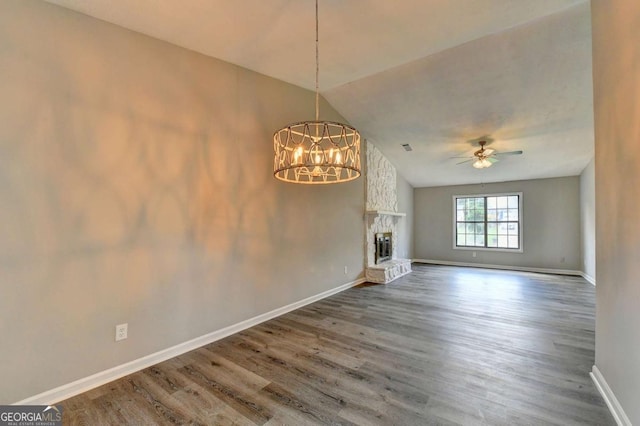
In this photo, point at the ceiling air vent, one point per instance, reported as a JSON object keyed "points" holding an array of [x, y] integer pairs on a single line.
{"points": [[407, 147]]}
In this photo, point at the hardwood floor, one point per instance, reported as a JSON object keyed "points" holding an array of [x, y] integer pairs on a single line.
{"points": [[441, 346]]}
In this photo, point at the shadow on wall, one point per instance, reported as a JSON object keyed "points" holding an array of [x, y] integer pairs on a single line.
{"points": [[136, 186], [100, 195]]}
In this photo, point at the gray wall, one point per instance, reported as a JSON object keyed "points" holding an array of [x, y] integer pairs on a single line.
{"points": [[551, 224], [136, 186], [405, 224], [588, 220], [616, 76]]}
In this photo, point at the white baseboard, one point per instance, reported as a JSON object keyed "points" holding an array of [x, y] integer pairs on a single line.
{"points": [[87, 383], [608, 396], [509, 268], [589, 278]]}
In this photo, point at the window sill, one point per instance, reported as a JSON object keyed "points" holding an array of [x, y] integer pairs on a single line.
{"points": [[502, 250]]}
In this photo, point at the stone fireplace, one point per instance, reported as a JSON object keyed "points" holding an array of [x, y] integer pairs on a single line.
{"points": [[382, 216]]}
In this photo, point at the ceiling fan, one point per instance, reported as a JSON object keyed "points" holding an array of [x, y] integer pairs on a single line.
{"points": [[485, 157]]}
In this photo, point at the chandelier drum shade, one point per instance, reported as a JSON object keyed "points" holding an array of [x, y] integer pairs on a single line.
{"points": [[316, 152]]}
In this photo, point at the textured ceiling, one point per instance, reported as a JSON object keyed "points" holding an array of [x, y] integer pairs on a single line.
{"points": [[437, 74]]}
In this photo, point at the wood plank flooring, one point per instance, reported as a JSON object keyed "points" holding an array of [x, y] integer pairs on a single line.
{"points": [[441, 346]]}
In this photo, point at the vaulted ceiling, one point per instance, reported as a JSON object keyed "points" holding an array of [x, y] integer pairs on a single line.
{"points": [[436, 74]]}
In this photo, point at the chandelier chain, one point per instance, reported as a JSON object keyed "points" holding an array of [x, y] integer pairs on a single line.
{"points": [[317, 69]]}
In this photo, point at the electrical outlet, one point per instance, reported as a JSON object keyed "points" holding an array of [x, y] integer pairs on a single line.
{"points": [[474, 254], [121, 331], [346, 270]]}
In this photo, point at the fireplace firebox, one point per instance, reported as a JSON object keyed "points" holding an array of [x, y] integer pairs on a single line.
{"points": [[383, 246]]}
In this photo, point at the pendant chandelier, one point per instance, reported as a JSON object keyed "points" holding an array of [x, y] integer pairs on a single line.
{"points": [[316, 152]]}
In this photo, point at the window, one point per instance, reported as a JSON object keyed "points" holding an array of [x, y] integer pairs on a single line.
{"points": [[488, 221]]}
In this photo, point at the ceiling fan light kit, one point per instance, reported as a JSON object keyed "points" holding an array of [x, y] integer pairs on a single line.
{"points": [[485, 157], [482, 163]]}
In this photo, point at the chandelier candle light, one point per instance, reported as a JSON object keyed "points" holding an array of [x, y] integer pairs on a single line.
{"points": [[316, 152]]}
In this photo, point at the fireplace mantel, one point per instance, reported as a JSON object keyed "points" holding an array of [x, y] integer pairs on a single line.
{"points": [[385, 213]]}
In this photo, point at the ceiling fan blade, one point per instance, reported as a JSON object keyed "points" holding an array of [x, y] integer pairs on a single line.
{"points": [[509, 153], [492, 159], [462, 156], [489, 151], [465, 161]]}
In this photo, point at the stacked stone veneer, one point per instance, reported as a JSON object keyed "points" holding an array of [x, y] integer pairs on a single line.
{"points": [[382, 196]]}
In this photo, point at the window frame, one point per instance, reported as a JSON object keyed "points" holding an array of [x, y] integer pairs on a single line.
{"points": [[484, 248]]}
